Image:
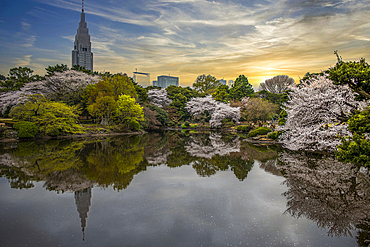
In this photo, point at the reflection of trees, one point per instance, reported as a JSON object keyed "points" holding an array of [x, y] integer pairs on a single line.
{"points": [[270, 166], [335, 195], [212, 146]]}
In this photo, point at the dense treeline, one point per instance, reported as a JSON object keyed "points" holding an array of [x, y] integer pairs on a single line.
{"points": [[326, 111]]}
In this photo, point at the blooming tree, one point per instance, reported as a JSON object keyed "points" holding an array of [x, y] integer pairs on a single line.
{"points": [[159, 97], [317, 112], [59, 84], [217, 110]]}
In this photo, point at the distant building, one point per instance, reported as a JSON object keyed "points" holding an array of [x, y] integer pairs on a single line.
{"points": [[165, 81], [155, 83], [142, 79], [231, 82], [81, 54], [222, 81]]}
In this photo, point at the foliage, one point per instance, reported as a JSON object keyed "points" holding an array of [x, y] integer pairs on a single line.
{"points": [[218, 110], [244, 128], [186, 125], [277, 84], [128, 110], [26, 129], [50, 70], [78, 67], [64, 86], [17, 78], [259, 131], [254, 109], [193, 126], [275, 135], [278, 99], [354, 74], [158, 97], [355, 149], [50, 117], [241, 88], [120, 84], [206, 84], [282, 117], [103, 108], [142, 93], [161, 115], [134, 125], [317, 112], [222, 94]]}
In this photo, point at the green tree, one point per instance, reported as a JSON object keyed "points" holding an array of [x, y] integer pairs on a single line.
{"points": [[354, 74], [128, 110], [50, 70], [222, 94], [356, 149], [103, 108], [241, 88], [255, 109], [206, 84], [50, 117], [17, 78], [78, 67]]}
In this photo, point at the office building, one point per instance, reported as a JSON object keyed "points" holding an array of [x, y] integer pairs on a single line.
{"points": [[165, 81], [142, 79], [81, 54]]}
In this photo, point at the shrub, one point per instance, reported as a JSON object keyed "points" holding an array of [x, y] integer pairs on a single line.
{"points": [[193, 126], [186, 125], [259, 131], [244, 128], [275, 135], [26, 129], [134, 125], [172, 124]]}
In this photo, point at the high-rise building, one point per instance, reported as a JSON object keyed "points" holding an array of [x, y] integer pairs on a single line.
{"points": [[142, 79], [231, 82], [81, 54], [165, 81], [222, 81]]}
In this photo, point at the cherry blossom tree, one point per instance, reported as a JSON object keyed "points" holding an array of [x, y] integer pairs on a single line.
{"points": [[57, 85], [159, 97], [217, 110], [317, 114]]}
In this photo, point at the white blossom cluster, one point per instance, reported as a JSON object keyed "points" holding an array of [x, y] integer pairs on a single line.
{"points": [[317, 111], [159, 157], [217, 110], [159, 97], [60, 82], [217, 146]]}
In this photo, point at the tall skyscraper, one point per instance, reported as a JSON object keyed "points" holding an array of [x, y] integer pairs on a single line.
{"points": [[82, 55]]}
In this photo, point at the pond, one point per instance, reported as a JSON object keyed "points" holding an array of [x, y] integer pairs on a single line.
{"points": [[178, 189]]}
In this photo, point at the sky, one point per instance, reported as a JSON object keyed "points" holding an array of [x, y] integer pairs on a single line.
{"points": [[186, 38]]}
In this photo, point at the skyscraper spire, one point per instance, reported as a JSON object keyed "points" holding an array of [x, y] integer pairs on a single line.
{"points": [[81, 54]]}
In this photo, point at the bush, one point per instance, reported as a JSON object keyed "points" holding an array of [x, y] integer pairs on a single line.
{"points": [[275, 135], [172, 124], [186, 125], [161, 114], [244, 128], [193, 126], [259, 131], [134, 125], [26, 129]]}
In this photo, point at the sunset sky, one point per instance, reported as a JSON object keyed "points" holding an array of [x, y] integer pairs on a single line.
{"points": [[187, 38]]}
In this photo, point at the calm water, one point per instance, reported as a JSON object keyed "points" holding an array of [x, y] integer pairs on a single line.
{"points": [[178, 189]]}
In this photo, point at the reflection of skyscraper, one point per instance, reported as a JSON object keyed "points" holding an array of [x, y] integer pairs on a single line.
{"points": [[81, 54], [83, 203]]}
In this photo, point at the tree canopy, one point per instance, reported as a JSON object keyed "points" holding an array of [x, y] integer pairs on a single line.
{"points": [[241, 88], [206, 84]]}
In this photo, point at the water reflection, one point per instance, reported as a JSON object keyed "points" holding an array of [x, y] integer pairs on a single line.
{"points": [[331, 193]]}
